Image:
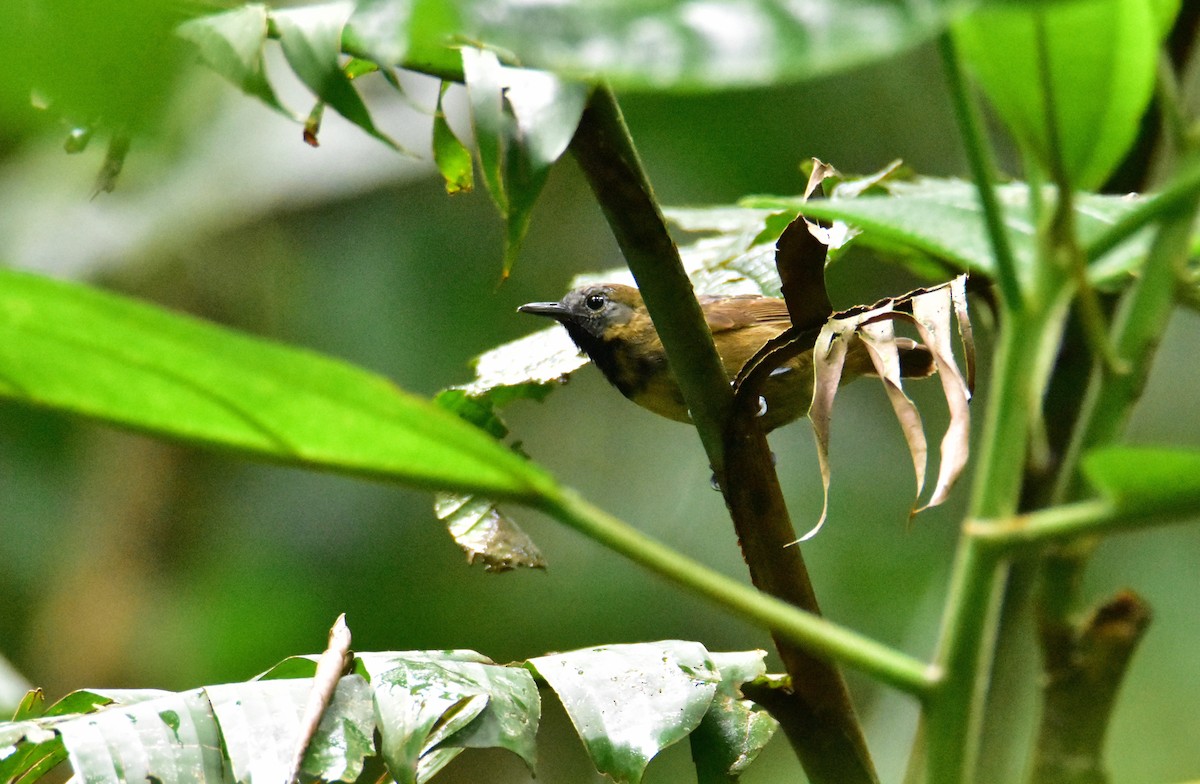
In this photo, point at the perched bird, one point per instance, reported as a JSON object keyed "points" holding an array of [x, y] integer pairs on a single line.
{"points": [[610, 324]]}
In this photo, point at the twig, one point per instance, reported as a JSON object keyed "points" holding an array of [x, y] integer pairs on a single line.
{"points": [[820, 721]]}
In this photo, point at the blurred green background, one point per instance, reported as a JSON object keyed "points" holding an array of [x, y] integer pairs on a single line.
{"points": [[132, 562]]}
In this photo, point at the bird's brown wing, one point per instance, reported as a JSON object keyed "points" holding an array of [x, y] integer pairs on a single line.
{"points": [[746, 310]]}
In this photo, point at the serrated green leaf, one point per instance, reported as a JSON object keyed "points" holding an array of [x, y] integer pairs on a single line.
{"points": [[172, 739], [418, 693], [231, 43], [628, 702], [311, 39], [452, 157], [260, 721], [735, 729], [83, 351], [942, 218], [1146, 479], [1098, 61]]}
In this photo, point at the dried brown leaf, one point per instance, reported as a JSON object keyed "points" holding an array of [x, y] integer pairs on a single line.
{"points": [[879, 337], [821, 171], [333, 663], [800, 259], [829, 357], [958, 292], [931, 317]]}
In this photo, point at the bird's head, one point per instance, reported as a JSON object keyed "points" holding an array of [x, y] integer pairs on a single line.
{"points": [[594, 313]]}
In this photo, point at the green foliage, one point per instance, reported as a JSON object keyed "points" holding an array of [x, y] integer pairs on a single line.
{"points": [[1146, 480], [1042, 67], [77, 349], [425, 708], [1071, 82]]}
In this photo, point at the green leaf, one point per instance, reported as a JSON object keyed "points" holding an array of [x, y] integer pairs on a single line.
{"points": [[672, 44], [1146, 479], [260, 721], [735, 729], [942, 218], [1098, 62], [231, 43], [628, 702], [406, 33], [79, 350], [311, 39], [172, 739], [437, 701], [523, 122], [452, 157]]}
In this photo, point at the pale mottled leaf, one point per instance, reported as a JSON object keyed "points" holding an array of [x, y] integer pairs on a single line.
{"points": [[433, 701], [735, 729], [628, 702], [260, 721], [486, 533]]}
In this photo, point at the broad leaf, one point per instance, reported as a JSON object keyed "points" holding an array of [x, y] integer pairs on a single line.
{"points": [[416, 34], [451, 700], [1146, 479], [695, 46], [1091, 61], [942, 218], [526, 369], [172, 739], [261, 720], [628, 702], [83, 351], [487, 534]]}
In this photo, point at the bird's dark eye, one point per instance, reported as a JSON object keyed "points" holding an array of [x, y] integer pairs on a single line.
{"points": [[594, 301]]}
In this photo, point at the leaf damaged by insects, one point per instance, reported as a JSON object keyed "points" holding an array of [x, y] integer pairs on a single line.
{"points": [[486, 534]]}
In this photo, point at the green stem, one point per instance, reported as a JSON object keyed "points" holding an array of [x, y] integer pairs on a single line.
{"points": [[823, 637], [952, 717], [983, 171], [1063, 524], [1138, 328]]}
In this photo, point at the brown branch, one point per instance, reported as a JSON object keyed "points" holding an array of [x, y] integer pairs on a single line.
{"points": [[819, 718], [1085, 666]]}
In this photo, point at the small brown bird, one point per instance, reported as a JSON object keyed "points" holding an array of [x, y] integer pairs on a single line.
{"points": [[609, 323]]}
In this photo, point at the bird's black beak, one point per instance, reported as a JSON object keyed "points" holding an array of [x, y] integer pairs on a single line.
{"points": [[554, 310]]}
